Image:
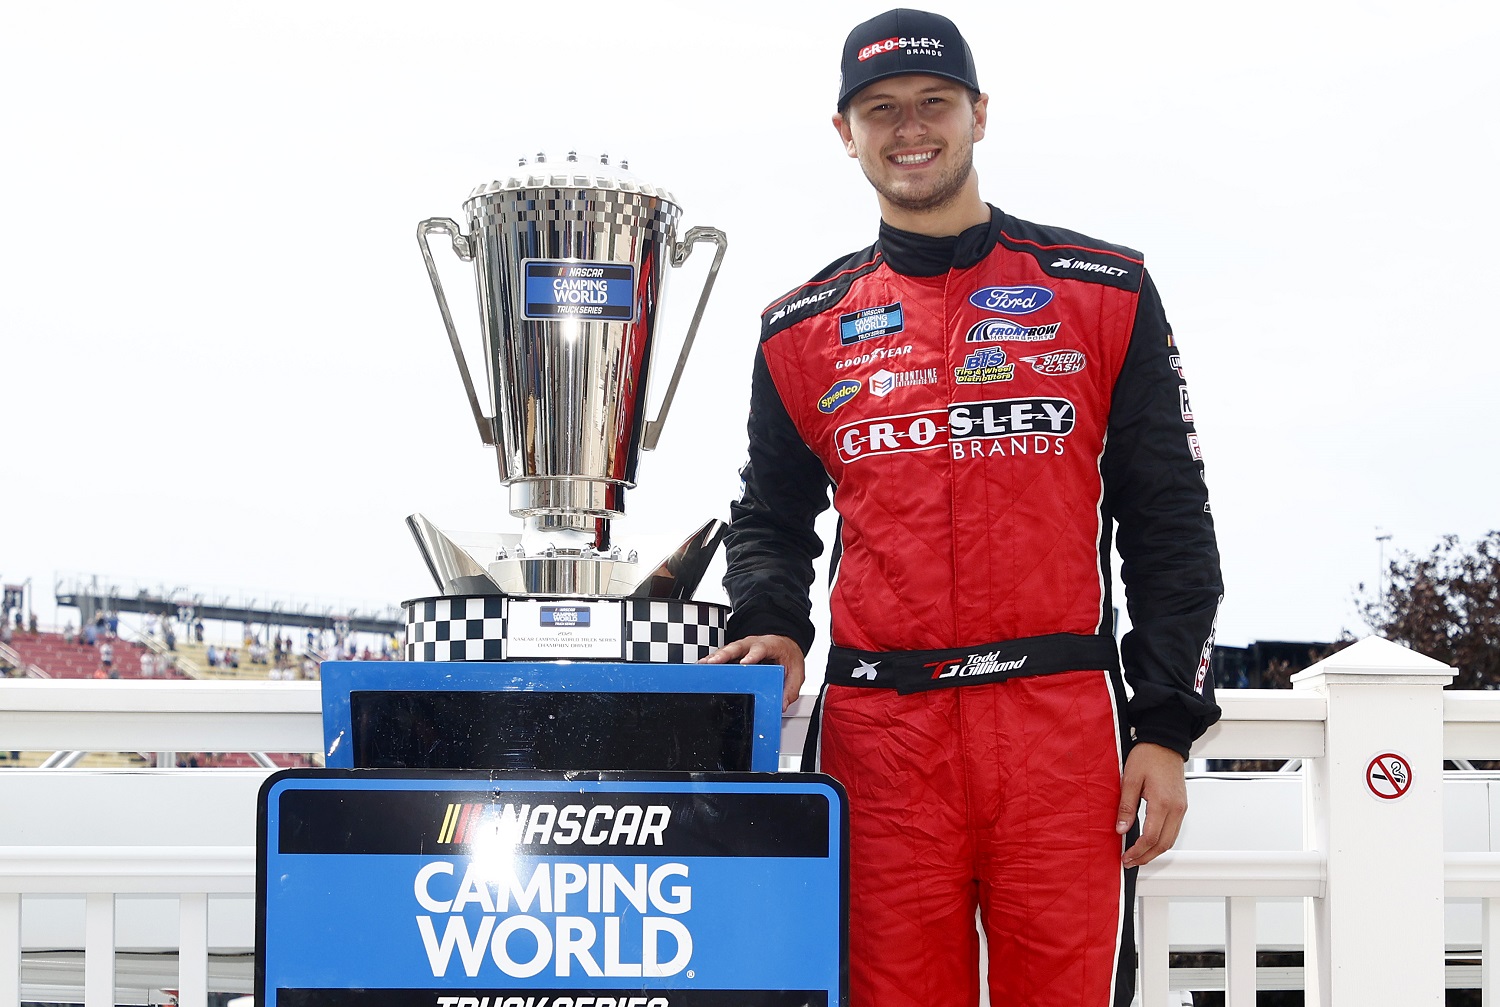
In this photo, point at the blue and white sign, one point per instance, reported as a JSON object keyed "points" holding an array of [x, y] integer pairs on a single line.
{"points": [[423, 889], [569, 288]]}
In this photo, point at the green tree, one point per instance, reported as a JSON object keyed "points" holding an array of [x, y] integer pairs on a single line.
{"points": [[1445, 605]]}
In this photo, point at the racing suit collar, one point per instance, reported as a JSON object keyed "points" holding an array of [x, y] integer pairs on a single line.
{"points": [[914, 254]]}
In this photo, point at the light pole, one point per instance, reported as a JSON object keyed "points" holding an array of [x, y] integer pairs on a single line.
{"points": [[1381, 538]]}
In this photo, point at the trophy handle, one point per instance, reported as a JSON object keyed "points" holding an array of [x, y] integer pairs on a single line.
{"points": [[651, 432], [464, 249]]}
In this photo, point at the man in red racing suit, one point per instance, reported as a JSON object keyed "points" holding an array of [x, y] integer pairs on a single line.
{"points": [[988, 398]]}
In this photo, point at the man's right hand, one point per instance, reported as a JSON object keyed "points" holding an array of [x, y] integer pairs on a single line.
{"points": [[782, 650]]}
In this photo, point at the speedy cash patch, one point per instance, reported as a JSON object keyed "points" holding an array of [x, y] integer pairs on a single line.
{"points": [[870, 323]]}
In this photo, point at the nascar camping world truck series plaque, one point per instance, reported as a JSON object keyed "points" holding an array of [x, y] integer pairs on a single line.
{"points": [[480, 889]]}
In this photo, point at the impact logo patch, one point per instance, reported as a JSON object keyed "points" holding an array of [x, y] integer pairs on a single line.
{"points": [[983, 366], [869, 323], [1019, 300], [1089, 267], [1057, 362], [994, 330], [838, 395]]}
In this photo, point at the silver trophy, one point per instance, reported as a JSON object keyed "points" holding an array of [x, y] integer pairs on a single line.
{"points": [[571, 261]]}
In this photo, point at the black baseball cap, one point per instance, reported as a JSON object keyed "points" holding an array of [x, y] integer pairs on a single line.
{"points": [[904, 41]]}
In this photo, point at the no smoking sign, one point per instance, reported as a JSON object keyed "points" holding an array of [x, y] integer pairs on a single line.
{"points": [[1388, 776]]}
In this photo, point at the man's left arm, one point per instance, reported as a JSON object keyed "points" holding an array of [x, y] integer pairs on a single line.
{"points": [[1155, 490]]}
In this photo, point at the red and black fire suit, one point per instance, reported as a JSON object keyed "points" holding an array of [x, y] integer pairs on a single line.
{"points": [[987, 408]]}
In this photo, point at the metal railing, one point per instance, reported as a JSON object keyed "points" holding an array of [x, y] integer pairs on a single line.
{"points": [[1371, 870]]}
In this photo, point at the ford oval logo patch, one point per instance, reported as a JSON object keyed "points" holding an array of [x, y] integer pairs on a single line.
{"points": [[1022, 300], [839, 394]]}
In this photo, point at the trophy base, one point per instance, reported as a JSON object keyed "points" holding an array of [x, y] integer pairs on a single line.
{"points": [[490, 627], [499, 564]]}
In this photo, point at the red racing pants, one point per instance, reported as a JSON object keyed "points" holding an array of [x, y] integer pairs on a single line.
{"points": [[998, 799]]}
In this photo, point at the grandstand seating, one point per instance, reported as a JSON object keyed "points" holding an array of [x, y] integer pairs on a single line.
{"points": [[196, 655], [60, 659]]}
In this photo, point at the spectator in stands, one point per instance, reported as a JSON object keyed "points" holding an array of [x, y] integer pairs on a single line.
{"points": [[169, 634], [231, 658], [148, 665], [198, 631], [90, 635], [69, 633], [33, 625], [113, 624], [150, 623], [5, 633], [107, 659], [213, 656]]}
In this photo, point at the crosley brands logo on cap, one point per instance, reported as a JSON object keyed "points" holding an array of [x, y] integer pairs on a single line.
{"points": [[917, 42], [926, 46]]}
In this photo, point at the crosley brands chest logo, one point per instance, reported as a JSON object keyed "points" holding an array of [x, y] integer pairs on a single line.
{"points": [[1089, 267], [800, 302], [549, 825], [917, 47], [838, 395], [976, 664], [867, 323], [1006, 427], [879, 353], [883, 382], [984, 365], [994, 330], [1057, 362], [1021, 300]]}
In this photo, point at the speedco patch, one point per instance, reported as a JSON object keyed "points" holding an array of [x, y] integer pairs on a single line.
{"points": [[838, 395], [968, 429], [868, 323], [1057, 362]]}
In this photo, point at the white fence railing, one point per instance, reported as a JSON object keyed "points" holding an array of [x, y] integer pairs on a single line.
{"points": [[163, 860]]}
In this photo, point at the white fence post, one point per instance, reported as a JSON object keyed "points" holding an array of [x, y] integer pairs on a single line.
{"points": [[1373, 805], [10, 949]]}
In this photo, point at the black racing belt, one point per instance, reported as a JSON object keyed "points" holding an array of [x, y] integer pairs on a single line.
{"points": [[909, 671]]}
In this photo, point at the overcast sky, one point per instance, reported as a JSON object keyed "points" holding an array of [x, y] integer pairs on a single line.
{"points": [[221, 362]]}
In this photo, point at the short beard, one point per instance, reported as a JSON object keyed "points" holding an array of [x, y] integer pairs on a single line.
{"points": [[944, 191]]}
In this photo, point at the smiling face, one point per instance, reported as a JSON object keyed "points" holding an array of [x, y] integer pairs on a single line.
{"points": [[914, 138]]}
